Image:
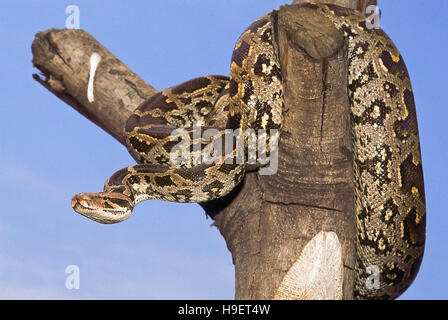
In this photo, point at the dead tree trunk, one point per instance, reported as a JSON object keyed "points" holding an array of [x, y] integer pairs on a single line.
{"points": [[291, 235]]}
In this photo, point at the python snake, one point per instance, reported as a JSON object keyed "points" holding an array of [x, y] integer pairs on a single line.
{"points": [[388, 187]]}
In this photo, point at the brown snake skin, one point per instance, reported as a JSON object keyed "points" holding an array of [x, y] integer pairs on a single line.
{"points": [[389, 190]]}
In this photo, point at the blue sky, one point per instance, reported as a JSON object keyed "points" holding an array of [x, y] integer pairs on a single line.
{"points": [[48, 152]]}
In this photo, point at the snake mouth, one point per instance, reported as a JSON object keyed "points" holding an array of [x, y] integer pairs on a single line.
{"points": [[104, 207]]}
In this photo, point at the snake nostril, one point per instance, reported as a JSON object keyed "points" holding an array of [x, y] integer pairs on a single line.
{"points": [[74, 202], [78, 201]]}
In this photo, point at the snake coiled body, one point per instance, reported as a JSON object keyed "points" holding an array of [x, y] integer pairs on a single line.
{"points": [[389, 190]]}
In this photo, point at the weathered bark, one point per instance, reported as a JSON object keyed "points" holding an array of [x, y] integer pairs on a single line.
{"points": [[267, 220], [63, 56], [359, 5]]}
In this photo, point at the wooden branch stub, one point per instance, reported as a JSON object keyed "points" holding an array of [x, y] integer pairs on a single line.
{"points": [[310, 31], [63, 57]]}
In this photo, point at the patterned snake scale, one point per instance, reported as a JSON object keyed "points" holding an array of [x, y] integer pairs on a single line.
{"points": [[389, 190]]}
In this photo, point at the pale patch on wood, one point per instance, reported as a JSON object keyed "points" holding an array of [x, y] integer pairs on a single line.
{"points": [[317, 273], [94, 61]]}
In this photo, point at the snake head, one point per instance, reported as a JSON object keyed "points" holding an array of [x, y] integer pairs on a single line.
{"points": [[103, 207]]}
